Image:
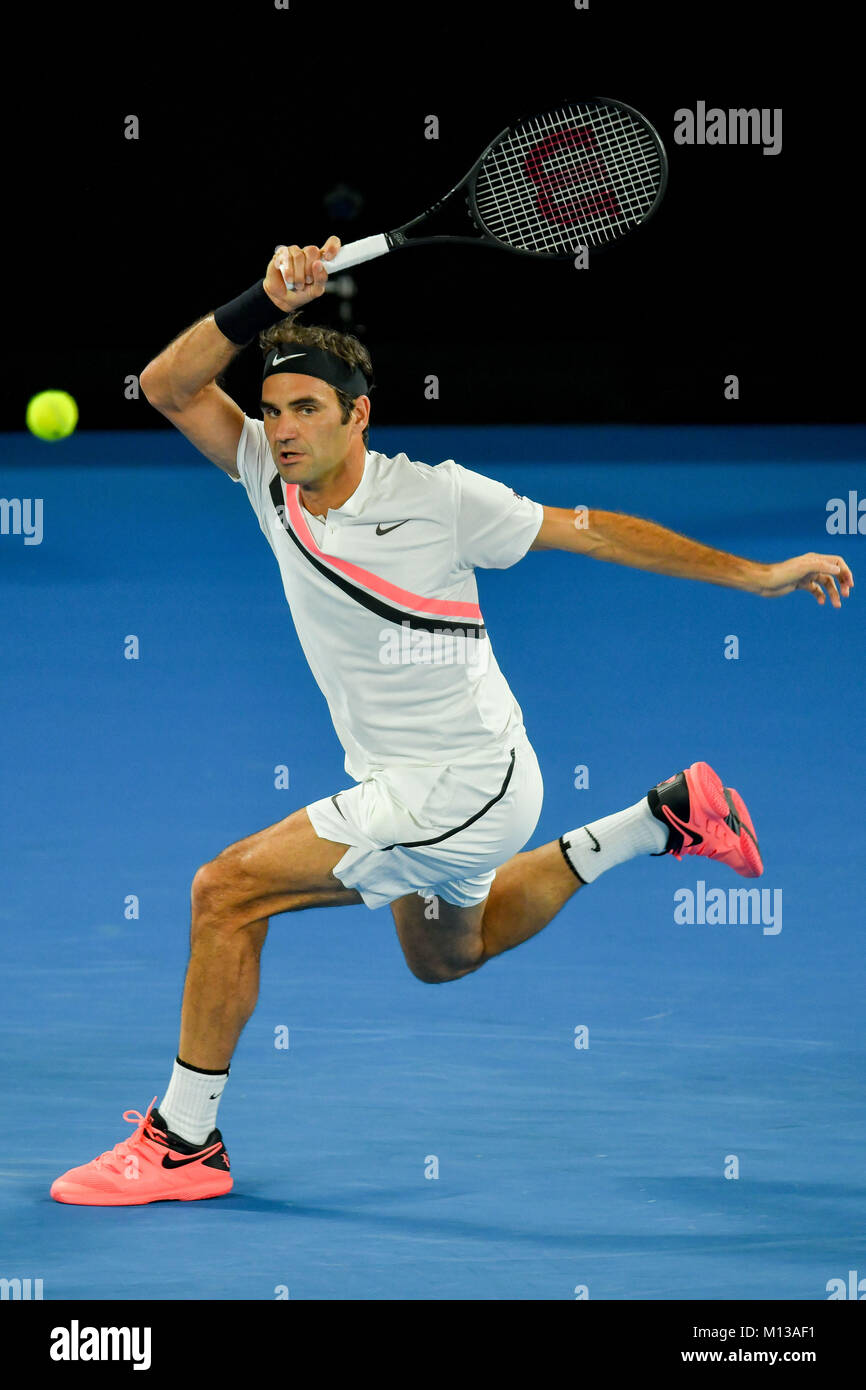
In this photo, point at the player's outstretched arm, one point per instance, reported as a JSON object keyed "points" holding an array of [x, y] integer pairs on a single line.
{"points": [[630, 540]]}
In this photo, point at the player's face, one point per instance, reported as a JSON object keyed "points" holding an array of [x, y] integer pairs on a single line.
{"points": [[304, 428]]}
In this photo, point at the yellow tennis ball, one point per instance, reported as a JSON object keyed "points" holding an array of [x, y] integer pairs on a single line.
{"points": [[52, 415]]}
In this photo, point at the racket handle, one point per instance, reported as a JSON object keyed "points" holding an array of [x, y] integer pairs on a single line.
{"points": [[354, 253]]}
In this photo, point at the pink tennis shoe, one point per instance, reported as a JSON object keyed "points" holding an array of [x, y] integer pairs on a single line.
{"points": [[703, 817], [152, 1165]]}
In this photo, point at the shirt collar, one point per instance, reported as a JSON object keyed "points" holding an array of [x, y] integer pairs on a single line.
{"points": [[353, 505]]}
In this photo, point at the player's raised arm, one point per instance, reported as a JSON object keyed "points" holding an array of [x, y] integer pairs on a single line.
{"points": [[181, 382], [630, 540]]}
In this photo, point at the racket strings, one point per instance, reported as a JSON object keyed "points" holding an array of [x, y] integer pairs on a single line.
{"points": [[579, 181], [581, 175]]}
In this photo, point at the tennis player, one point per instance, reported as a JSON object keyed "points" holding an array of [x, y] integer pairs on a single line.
{"points": [[377, 557]]}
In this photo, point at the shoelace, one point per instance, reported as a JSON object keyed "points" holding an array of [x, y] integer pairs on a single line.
{"points": [[114, 1158]]}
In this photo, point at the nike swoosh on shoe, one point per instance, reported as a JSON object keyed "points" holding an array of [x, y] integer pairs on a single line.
{"points": [[169, 1162]]}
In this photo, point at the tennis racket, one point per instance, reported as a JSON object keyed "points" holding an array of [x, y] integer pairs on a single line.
{"points": [[583, 175]]}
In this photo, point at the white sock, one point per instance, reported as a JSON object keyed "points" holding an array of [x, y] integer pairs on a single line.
{"points": [[190, 1104], [603, 843]]}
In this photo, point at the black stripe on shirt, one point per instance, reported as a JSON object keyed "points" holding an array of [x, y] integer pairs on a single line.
{"points": [[383, 610]]}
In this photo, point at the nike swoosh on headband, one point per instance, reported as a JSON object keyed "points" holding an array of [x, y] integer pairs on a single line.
{"points": [[287, 359]]}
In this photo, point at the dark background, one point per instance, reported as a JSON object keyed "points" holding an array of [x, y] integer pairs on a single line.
{"points": [[250, 117]]}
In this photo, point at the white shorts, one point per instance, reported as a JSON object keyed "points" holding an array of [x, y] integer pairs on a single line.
{"points": [[440, 830]]}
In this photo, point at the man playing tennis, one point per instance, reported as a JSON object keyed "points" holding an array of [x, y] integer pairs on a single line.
{"points": [[377, 557]]}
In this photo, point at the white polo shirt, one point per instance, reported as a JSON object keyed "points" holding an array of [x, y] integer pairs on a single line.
{"points": [[383, 597]]}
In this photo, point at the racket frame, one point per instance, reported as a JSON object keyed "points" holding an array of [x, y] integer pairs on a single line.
{"points": [[398, 239]]}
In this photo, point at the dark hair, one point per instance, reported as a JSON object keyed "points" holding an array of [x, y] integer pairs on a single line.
{"points": [[342, 345]]}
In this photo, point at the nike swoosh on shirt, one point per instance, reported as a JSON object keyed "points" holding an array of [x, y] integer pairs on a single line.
{"points": [[287, 359], [383, 530]]}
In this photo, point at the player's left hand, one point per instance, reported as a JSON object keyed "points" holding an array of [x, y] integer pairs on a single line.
{"points": [[811, 572]]}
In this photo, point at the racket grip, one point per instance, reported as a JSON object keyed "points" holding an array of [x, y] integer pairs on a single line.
{"points": [[354, 253]]}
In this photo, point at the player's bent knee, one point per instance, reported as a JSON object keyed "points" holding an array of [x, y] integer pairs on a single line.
{"points": [[211, 893], [440, 974], [429, 977]]}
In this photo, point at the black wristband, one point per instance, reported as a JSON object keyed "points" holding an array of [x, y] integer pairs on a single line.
{"points": [[242, 318]]}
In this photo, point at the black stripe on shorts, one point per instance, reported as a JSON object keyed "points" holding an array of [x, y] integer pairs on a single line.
{"points": [[412, 844]]}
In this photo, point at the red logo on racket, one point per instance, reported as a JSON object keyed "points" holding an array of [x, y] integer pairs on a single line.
{"points": [[557, 193]]}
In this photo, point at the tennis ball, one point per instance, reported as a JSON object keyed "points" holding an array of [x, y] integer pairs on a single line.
{"points": [[52, 415]]}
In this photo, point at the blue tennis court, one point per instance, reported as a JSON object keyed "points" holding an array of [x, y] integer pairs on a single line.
{"points": [[570, 1119]]}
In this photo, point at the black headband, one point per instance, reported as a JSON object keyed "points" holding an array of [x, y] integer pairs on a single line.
{"points": [[313, 361]]}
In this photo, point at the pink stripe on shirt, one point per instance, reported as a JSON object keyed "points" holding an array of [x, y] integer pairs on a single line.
{"points": [[372, 581]]}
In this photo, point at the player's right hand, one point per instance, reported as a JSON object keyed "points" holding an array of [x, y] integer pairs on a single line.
{"points": [[301, 266]]}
